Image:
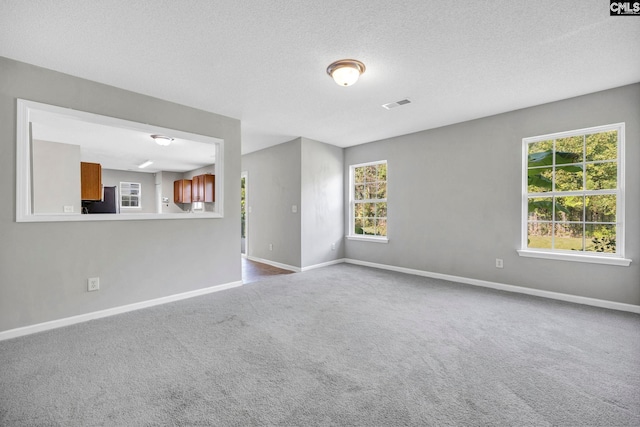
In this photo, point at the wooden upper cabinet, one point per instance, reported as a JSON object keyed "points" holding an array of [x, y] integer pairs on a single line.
{"points": [[204, 188], [182, 191], [90, 181]]}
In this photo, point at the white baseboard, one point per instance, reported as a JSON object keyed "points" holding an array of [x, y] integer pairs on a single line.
{"points": [[40, 327], [324, 264], [275, 264], [504, 287]]}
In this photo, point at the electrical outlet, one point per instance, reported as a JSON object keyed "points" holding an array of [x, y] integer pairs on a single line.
{"points": [[294, 208], [333, 246], [93, 284], [68, 209], [270, 246], [499, 263]]}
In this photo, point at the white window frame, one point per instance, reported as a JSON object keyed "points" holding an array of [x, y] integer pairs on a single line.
{"points": [[122, 194], [362, 237], [559, 254]]}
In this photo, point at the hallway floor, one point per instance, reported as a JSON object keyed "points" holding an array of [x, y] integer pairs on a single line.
{"points": [[253, 271]]}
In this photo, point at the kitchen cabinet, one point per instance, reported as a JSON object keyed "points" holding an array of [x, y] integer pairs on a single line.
{"points": [[182, 191], [90, 181], [203, 188]]}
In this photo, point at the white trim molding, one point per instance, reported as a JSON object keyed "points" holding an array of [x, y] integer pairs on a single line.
{"points": [[274, 264], [375, 239], [324, 264], [504, 287], [67, 321], [624, 262]]}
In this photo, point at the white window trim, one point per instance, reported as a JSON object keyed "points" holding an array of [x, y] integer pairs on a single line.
{"points": [[122, 194], [363, 237], [597, 257]]}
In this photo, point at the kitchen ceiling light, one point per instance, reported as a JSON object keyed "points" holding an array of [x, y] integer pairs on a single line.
{"points": [[345, 72], [145, 164], [162, 140]]}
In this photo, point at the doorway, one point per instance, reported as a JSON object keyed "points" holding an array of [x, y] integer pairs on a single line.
{"points": [[244, 213]]}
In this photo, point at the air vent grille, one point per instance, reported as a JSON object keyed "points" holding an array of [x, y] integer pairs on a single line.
{"points": [[391, 105]]}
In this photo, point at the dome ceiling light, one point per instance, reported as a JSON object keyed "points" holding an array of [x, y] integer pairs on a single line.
{"points": [[345, 72], [162, 140]]}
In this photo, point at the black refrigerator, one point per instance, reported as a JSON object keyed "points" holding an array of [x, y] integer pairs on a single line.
{"points": [[109, 203]]}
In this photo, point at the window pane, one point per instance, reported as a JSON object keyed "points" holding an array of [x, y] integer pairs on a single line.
{"points": [[569, 150], [358, 175], [358, 210], [370, 173], [358, 224], [602, 176], [382, 172], [569, 178], [382, 190], [540, 180], [601, 238], [381, 210], [601, 208], [569, 208], [540, 208], [369, 210], [369, 226], [568, 237], [539, 235], [540, 153], [371, 191], [602, 146], [381, 227], [359, 192]]}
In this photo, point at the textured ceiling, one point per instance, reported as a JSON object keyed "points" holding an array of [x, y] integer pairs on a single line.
{"points": [[264, 61]]}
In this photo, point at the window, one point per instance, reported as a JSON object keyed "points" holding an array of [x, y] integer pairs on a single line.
{"points": [[130, 195], [368, 201], [573, 195]]}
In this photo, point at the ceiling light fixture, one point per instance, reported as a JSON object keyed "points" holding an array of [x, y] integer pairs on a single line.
{"points": [[345, 72], [145, 164], [162, 140]]}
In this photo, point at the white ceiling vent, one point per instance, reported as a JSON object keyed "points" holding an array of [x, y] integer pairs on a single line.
{"points": [[391, 105]]}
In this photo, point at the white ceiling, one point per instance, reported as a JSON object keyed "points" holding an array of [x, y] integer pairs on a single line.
{"points": [[121, 148], [264, 61]]}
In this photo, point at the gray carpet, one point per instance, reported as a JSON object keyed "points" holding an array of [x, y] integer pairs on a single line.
{"points": [[341, 345]]}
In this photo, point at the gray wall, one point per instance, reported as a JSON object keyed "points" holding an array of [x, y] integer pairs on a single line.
{"points": [[322, 202], [56, 177], [113, 178], [44, 266], [455, 198], [273, 188]]}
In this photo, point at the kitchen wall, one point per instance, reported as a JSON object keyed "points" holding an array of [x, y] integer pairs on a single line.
{"points": [[44, 266], [113, 178], [55, 177]]}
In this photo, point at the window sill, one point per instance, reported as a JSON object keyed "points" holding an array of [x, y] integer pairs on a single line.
{"points": [[375, 239], [593, 259]]}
